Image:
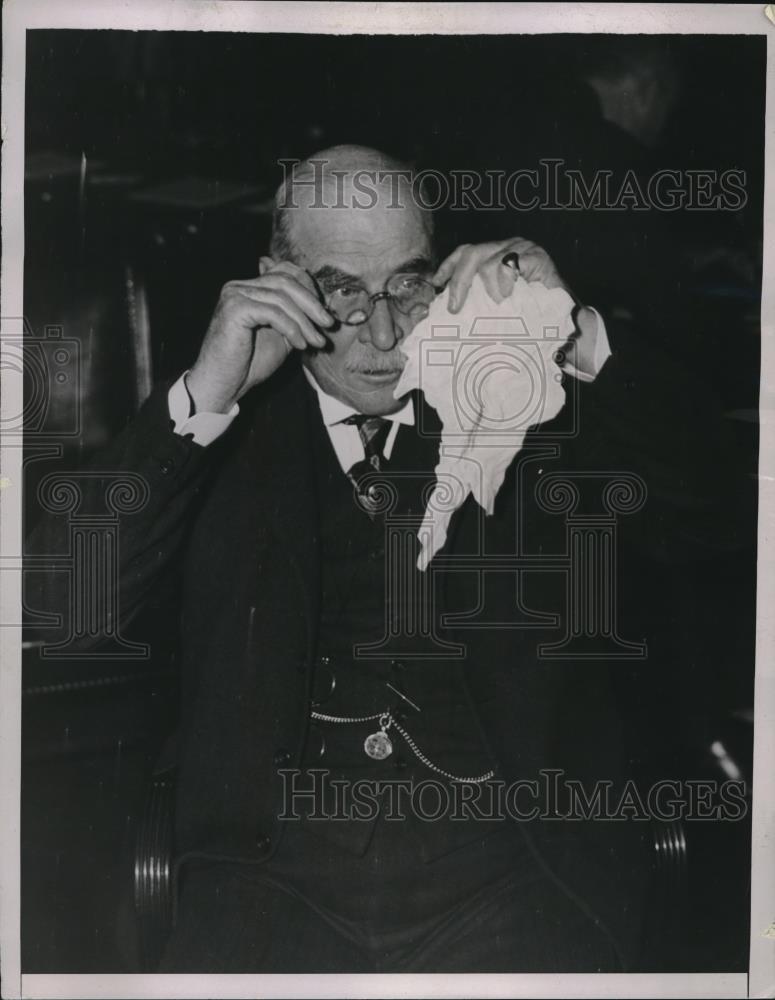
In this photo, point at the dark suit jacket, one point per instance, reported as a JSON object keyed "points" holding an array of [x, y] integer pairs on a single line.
{"points": [[233, 529]]}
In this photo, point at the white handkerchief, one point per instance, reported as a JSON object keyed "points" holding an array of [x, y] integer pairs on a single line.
{"points": [[490, 371]]}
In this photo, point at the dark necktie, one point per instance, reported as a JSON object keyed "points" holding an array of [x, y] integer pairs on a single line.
{"points": [[374, 434]]}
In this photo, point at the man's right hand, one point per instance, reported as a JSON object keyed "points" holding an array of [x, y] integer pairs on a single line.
{"points": [[255, 326]]}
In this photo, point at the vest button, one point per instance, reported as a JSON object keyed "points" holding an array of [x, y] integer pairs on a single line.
{"points": [[263, 842], [281, 756]]}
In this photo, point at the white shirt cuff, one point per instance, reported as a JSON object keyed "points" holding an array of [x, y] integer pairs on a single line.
{"points": [[205, 427], [602, 353]]}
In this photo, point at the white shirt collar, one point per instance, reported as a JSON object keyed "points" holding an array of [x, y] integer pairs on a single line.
{"points": [[345, 439], [334, 411]]}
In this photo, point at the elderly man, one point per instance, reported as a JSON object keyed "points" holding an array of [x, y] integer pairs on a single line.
{"points": [[253, 460]]}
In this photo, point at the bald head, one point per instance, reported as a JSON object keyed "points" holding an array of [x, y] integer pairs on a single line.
{"points": [[349, 157], [354, 181]]}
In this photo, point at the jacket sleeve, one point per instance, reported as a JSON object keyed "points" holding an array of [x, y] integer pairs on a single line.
{"points": [[143, 487], [652, 413]]}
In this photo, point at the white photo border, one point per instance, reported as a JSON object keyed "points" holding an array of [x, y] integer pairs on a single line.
{"points": [[373, 18]]}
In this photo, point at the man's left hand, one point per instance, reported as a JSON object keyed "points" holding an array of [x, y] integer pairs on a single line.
{"points": [[486, 260], [534, 264]]}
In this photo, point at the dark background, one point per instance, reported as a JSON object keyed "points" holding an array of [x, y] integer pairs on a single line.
{"points": [[151, 162]]}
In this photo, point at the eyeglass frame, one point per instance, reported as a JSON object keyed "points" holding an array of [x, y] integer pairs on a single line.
{"points": [[377, 296]]}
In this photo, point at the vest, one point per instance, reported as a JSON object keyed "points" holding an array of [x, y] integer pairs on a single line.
{"points": [[375, 654]]}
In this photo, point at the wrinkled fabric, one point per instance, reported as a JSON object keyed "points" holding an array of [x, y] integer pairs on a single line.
{"points": [[491, 372]]}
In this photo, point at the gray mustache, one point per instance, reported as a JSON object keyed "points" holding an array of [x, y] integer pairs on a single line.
{"points": [[384, 363]]}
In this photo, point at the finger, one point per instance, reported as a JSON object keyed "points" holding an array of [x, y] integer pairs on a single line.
{"points": [[530, 264], [287, 290], [312, 335], [305, 295], [279, 321], [286, 305], [461, 280], [307, 300], [535, 264], [518, 245], [446, 268], [490, 275], [252, 313], [269, 266], [506, 278]]}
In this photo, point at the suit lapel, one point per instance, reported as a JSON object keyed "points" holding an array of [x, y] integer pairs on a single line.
{"points": [[282, 459]]}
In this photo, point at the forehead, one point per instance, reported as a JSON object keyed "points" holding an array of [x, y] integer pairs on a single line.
{"points": [[370, 243]]}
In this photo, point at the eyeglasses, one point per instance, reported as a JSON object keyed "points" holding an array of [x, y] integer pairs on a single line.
{"points": [[408, 293]]}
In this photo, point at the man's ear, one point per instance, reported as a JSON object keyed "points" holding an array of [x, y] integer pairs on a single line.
{"points": [[265, 264]]}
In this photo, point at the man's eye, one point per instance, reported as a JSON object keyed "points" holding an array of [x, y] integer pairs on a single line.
{"points": [[347, 292], [410, 283]]}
